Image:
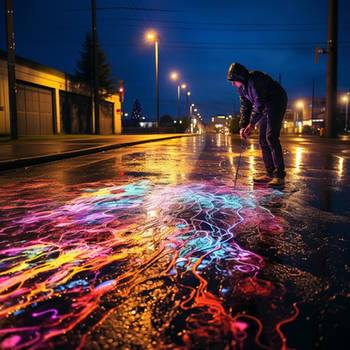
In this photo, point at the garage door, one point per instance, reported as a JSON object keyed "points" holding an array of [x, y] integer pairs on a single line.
{"points": [[75, 113], [34, 110]]}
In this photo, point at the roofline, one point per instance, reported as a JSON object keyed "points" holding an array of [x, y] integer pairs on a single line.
{"points": [[37, 66]]}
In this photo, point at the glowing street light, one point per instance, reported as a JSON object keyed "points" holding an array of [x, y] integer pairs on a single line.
{"points": [[191, 115], [300, 106], [175, 76], [188, 114], [151, 36]]}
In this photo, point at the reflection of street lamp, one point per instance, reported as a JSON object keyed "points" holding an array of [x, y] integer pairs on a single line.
{"points": [[346, 100], [154, 37]]}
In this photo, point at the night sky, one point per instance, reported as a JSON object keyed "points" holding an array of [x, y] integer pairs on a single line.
{"points": [[198, 39]]}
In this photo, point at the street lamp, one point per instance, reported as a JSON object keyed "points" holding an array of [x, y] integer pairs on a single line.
{"points": [[191, 108], [150, 36], [300, 105], [188, 94], [175, 76], [346, 100]]}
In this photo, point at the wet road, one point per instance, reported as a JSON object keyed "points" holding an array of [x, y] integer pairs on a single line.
{"points": [[151, 246]]}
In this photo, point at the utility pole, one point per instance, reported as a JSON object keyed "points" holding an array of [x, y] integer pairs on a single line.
{"points": [[94, 69], [313, 99], [186, 114], [11, 69], [157, 80], [178, 103], [332, 68]]}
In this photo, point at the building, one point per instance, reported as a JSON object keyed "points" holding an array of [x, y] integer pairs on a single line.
{"points": [[50, 101], [220, 123]]}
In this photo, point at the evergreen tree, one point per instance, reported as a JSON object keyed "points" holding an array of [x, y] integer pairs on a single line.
{"points": [[166, 120], [106, 85], [136, 113]]}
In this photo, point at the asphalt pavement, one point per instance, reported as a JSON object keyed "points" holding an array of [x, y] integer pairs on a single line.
{"points": [[151, 246], [28, 151], [41, 149]]}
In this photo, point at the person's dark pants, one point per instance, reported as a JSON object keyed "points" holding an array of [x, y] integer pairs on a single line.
{"points": [[269, 132]]}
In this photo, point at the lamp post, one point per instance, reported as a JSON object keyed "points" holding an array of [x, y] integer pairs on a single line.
{"points": [[175, 76], [183, 86], [188, 94], [346, 100], [154, 37], [191, 117], [191, 107], [300, 105]]}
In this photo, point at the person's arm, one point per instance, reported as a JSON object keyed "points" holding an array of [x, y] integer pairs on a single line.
{"points": [[245, 111], [261, 93]]}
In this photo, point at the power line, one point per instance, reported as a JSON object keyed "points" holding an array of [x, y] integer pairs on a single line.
{"points": [[231, 29], [223, 23], [125, 8]]}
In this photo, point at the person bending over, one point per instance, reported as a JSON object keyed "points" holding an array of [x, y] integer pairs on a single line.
{"points": [[263, 102]]}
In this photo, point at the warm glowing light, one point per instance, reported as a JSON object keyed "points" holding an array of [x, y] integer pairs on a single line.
{"points": [[188, 93], [195, 109], [345, 98], [300, 104], [300, 127], [252, 164], [340, 166], [298, 158], [183, 86], [151, 36], [174, 76]]}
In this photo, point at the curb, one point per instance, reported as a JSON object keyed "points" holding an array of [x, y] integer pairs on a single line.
{"points": [[24, 162]]}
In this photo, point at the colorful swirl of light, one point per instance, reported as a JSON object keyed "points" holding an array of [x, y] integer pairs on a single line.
{"points": [[63, 252]]}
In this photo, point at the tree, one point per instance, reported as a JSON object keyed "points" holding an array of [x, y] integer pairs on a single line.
{"points": [[234, 126], [136, 113], [84, 71], [166, 120]]}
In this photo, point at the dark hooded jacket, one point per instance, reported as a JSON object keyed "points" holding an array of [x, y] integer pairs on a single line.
{"points": [[259, 94]]}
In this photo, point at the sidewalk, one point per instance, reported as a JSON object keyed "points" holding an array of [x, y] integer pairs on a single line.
{"points": [[35, 150]]}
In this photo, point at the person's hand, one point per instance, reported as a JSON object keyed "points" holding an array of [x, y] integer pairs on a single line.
{"points": [[248, 130], [245, 132], [241, 133]]}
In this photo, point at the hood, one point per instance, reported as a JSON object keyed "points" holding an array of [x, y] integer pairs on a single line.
{"points": [[237, 72]]}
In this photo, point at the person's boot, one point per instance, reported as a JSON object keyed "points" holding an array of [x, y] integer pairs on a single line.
{"points": [[262, 179], [276, 182]]}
